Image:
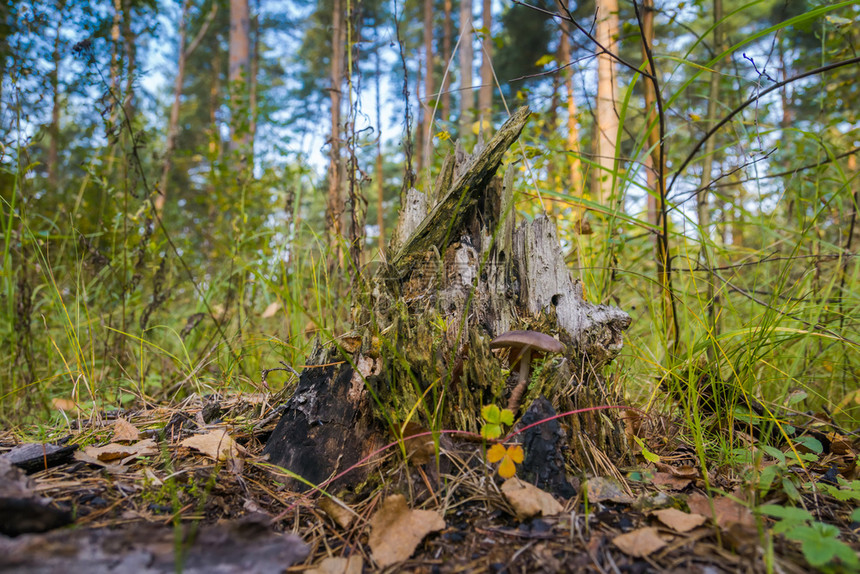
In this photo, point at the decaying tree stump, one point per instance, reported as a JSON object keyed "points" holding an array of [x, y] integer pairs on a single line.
{"points": [[459, 273]]}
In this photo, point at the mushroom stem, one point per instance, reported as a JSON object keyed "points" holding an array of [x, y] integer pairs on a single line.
{"points": [[522, 381]]}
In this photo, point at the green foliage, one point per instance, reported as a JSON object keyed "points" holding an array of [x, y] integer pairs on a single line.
{"points": [[494, 418], [819, 541]]}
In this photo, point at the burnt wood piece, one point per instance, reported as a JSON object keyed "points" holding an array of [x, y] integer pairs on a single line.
{"points": [[544, 447], [327, 425], [34, 457]]}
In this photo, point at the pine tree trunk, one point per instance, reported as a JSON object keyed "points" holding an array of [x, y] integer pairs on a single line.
{"points": [[252, 86], [573, 163], [173, 125], [485, 94], [334, 205], [380, 188], [129, 41], [239, 73], [702, 199], [653, 160], [467, 97], [54, 130], [430, 98], [115, 67], [446, 58], [607, 119]]}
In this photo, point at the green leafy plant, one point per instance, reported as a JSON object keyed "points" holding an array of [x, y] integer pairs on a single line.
{"points": [[494, 418], [819, 542]]}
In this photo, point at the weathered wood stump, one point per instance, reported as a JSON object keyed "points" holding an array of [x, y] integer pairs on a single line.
{"points": [[459, 273]]}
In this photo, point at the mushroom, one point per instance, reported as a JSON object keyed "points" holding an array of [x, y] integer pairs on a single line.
{"points": [[522, 345]]}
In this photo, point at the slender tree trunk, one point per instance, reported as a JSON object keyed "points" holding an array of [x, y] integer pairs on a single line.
{"points": [[253, 83], [485, 94], [607, 117], [215, 145], [115, 59], [550, 129], [703, 204], [419, 128], [334, 207], [446, 58], [653, 160], [183, 53], [702, 200], [239, 72], [129, 41], [54, 130], [573, 163], [467, 97], [429, 85], [380, 188]]}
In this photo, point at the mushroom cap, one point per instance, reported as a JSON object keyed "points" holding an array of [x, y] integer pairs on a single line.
{"points": [[532, 339]]}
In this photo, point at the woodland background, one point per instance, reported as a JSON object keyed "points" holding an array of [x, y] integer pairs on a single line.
{"points": [[191, 190]]}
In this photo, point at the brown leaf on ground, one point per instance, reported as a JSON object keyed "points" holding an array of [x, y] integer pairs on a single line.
{"points": [[125, 431], [338, 511], [216, 444], [122, 452], [726, 511], [670, 481], [396, 530], [528, 500], [419, 449], [600, 489], [639, 543], [685, 471], [679, 521], [332, 565]]}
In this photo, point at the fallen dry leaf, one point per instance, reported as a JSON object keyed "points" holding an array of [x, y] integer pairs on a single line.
{"points": [[670, 481], [271, 310], [639, 543], [396, 530], [216, 444], [679, 521], [726, 511], [528, 500], [123, 452], [124, 430], [685, 471], [337, 510], [419, 449], [600, 488], [332, 565]]}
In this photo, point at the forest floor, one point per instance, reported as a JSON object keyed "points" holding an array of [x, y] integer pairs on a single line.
{"points": [[183, 488]]}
